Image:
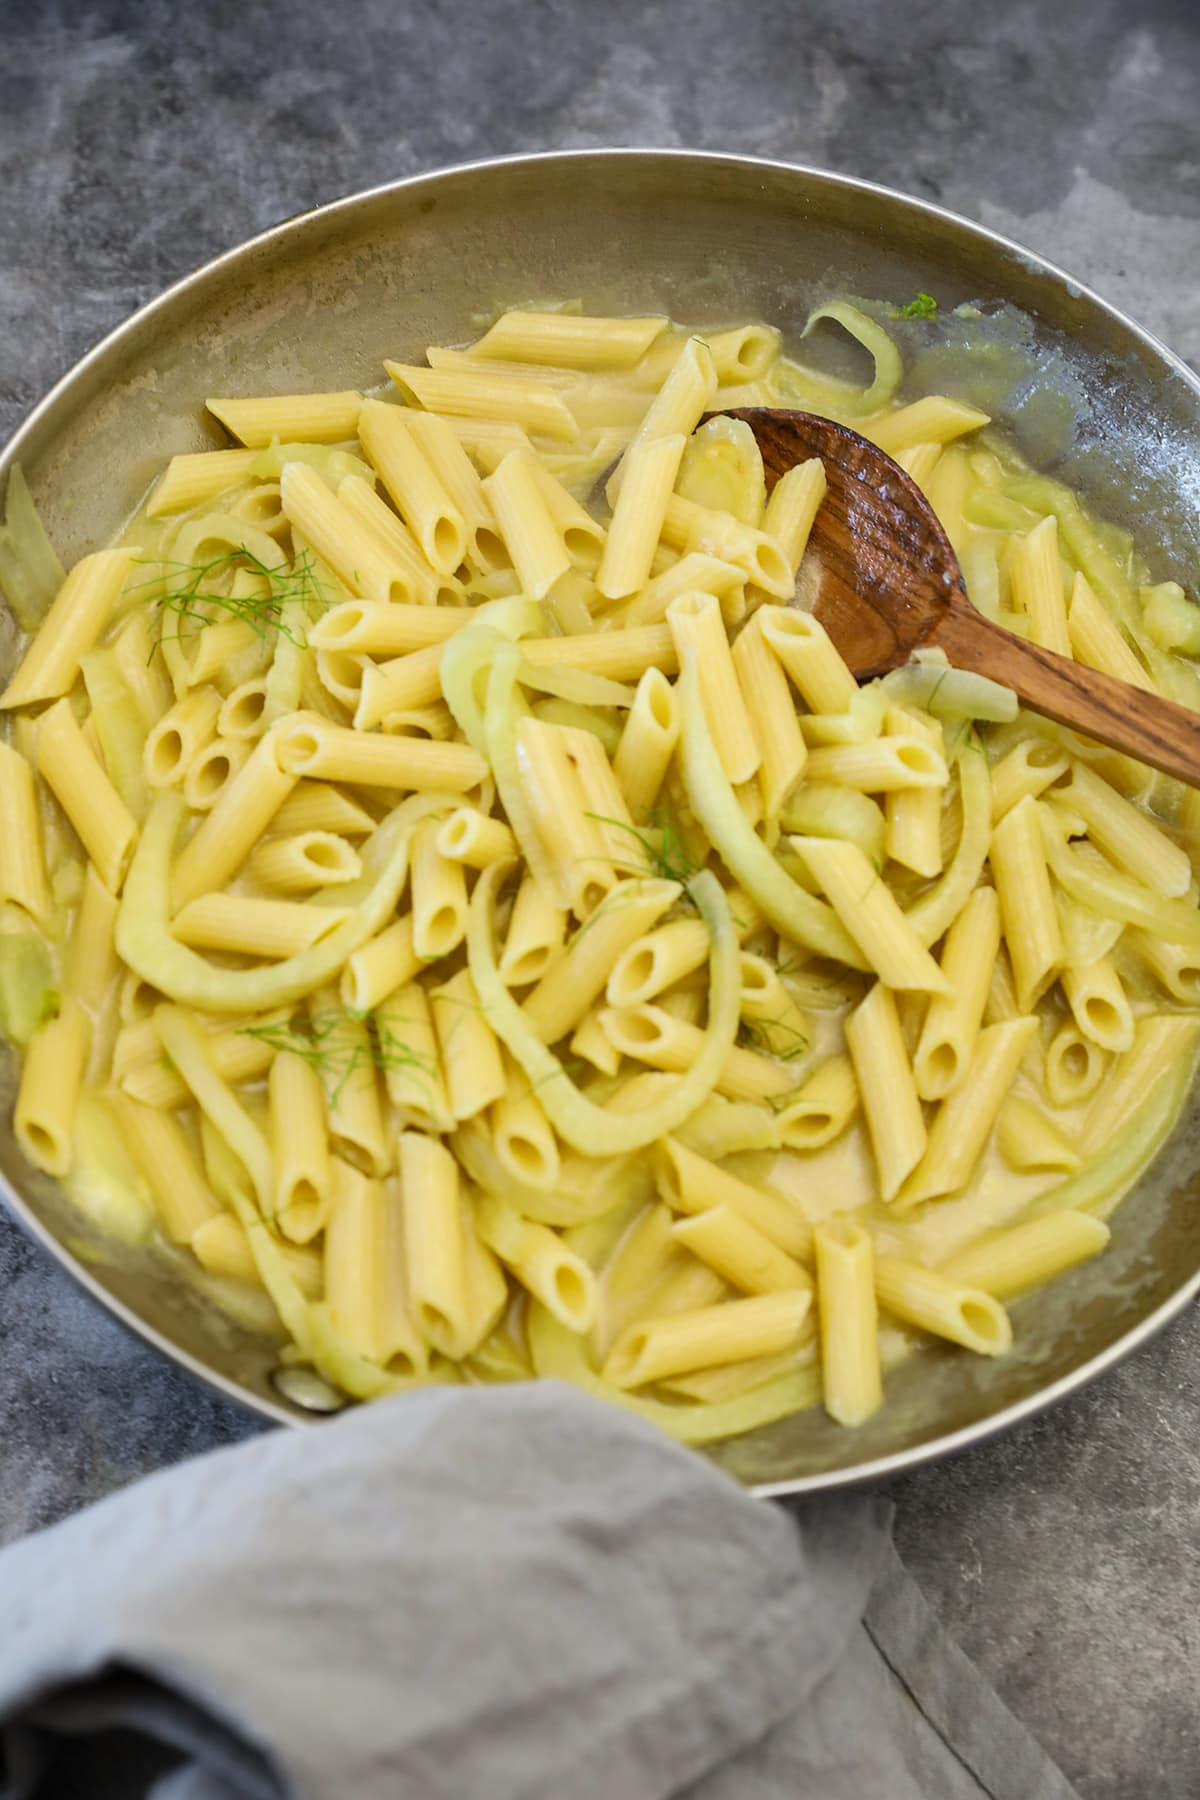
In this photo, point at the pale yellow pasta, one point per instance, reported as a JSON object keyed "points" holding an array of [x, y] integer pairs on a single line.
{"points": [[412, 1066], [253, 926], [414, 486], [384, 963], [292, 418], [794, 503], [222, 1247], [180, 735], [308, 745], [1174, 968], [575, 839], [365, 1271], [1161, 1041], [963, 1122], [23, 863], [740, 1253], [80, 611], [688, 527], [869, 911], [1096, 638], [198, 476], [242, 813], [1029, 768], [469, 837], [299, 1147], [307, 860], [657, 961], [170, 1168], [408, 576], [1030, 1140], [439, 897], [540, 1261], [363, 562], [887, 1087], [652, 1035], [851, 1377], [932, 420], [695, 572], [733, 1332], [1073, 1066], [470, 1052], [51, 1078], [810, 659], [647, 480], [358, 1131], [647, 743], [914, 815], [70, 769], [316, 806], [211, 770], [933, 1302], [695, 620], [1028, 916], [1037, 587], [478, 394], [676, 409], [952, 1022], [590, 1042], [523, 1137], [1006, 1263], [235, 1055], [536, 930], [881, 767], [772, 715], [137, 656], [824, 1105], [89, 960], [1097, 998], [692, 1184], [1124, 833], [569, 340], [187, 1045]]}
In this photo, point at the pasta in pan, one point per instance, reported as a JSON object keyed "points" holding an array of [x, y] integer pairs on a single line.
{"points": [[450, 891]]}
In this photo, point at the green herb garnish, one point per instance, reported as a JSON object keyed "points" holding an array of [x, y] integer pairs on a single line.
{"points": [[661, 845], [923, 307], [193, 596], [334, 1044]]}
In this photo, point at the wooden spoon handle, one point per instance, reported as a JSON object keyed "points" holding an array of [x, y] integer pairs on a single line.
{"points": [[1153, 730]]}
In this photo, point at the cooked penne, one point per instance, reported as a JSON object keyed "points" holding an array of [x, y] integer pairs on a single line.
{"points": [[1028, 917], [81, 609], [647, 480], [1006, 1263], [568, 340], [292, 418], [733, 1332], [952, 1022], [930, 1300], [851, 1379], [696, 624], [468, 394], [23, 865], [772, 715], [870, 913], [963, 1123], [105, 825], [888, 1088]]}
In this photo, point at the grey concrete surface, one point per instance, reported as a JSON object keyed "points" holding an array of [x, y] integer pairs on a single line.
{"points": [[137, 139]]}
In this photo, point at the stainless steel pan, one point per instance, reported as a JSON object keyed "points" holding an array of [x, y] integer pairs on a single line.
{"points": [[319, 300]]}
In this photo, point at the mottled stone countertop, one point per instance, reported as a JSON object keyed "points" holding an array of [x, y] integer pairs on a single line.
{"points": [[138, 138]]}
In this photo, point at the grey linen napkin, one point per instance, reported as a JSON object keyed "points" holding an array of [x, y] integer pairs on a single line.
{"points": [[518, 1594]]}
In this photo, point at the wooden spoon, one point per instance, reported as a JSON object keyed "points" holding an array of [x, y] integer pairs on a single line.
{"points": [[889, 583]]}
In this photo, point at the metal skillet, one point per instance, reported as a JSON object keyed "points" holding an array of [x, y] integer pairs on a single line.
{"points": [[318, 301]]}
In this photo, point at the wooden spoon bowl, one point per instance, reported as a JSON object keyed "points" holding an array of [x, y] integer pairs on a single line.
{"points": [[886, 582]]}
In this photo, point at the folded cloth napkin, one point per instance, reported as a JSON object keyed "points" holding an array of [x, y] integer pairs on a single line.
{"points": [[517, 1594]]}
